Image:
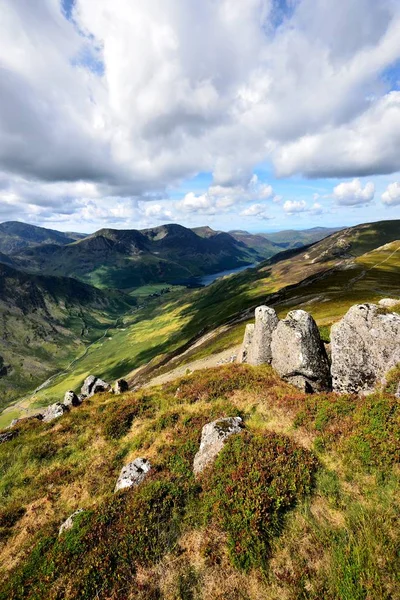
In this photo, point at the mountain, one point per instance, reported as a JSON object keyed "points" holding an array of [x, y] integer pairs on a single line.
{"points": [[45, 321], [293, 238], [258, 242], [127, 259], [15, 236], [316, 472]]}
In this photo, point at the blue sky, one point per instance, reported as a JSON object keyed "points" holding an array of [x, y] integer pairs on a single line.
{"points": [[259, 115]]}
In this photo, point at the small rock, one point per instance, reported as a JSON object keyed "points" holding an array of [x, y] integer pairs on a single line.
{"points": [[93, 385], [133, 474], [68, 524], [121, 386], [7, 436], [260, 349], [397, 394], [298, 354], [248, 336], [37, 417], [54, 411], [71, 399], [213, 438], [365, 346], [388, 302]]}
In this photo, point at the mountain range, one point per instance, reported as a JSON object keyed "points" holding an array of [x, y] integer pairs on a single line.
{"points": [[128, 259]]}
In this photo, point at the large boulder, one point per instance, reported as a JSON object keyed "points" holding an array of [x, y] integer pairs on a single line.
{"points": [[121, 386], [54, 411], [93, 385], [68, 524], [298, 354], [71, 399], [365, 346], [265, 324], [213, 438], [133, 474], [244, 350]]}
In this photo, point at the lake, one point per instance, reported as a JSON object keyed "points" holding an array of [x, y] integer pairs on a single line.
{"points": [[209, 279]]}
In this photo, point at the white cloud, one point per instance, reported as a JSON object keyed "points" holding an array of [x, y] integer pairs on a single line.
{"points": [[352, 193], [256, 210], [134, 98], [391, 197], [295, 206]]}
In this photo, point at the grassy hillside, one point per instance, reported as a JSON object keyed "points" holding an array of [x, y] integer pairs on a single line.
{"points": [[130, 259], [304, 504], [44, 323], [324, 279]]}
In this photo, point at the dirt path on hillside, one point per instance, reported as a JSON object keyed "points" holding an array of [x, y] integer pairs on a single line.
{"points": [[221, 358]]}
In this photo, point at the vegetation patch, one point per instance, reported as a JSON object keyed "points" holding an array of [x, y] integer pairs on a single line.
{"points": [[255, 481]]}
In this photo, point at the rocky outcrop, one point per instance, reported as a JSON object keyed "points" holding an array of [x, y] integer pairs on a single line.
{"points": [[389, 302], [133, 474], [266, 321], [93, 385], [213, 438], [54, 411], [298, 354], [248, 337], [365, 346], [7, 436], [71, 399], [121, 386], [68, 524]]}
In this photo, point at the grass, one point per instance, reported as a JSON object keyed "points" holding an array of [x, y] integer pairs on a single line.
{"points": [[304, 503]]}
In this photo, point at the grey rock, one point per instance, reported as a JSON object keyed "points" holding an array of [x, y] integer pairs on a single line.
{"points": [[397, 394], [68, 524], [298, 354], [388, 302], [71, 399], [7, 436], [247, 339], [37, 417], [133, 474], [260, 349], [365, 346], [213, 438], [54, 411], [93, 385], [121, 386]]}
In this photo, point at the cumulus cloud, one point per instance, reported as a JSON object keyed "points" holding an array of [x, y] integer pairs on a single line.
{"points": [[295, 206], [391, 197], [352, 193], [133, 98], [256, 210]]}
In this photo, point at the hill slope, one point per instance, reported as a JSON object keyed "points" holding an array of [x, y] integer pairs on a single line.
{"points": [[44, 321], [15, 236], [304, 503], [325, 279], [129, 258]]}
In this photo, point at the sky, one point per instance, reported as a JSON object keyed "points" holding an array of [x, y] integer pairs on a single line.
{"points": [[241, 114]]}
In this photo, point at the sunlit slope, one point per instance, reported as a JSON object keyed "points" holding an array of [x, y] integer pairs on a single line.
{"points": [[319, 279]]}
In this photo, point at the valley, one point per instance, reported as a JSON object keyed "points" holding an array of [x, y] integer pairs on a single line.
{"points": [[324, 279]]}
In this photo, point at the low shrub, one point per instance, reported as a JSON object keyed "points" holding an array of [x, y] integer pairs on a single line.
{"points": [[254, 482]]}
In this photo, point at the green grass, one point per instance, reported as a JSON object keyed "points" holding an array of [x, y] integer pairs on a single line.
{"points": [[306, 509]]}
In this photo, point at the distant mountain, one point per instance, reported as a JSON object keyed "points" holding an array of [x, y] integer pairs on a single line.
{"points": [[127, 259], [44, 321], [15, 236], [293, 238]]}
